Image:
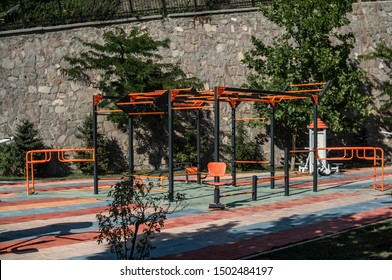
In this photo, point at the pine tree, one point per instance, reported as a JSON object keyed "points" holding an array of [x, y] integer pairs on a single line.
{"points": [[85, 135], [26, 139]]}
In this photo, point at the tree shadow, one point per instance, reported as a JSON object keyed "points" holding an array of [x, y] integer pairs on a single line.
{"points": [[116, 158], [24, 240], [257, 235], [53, 168]]}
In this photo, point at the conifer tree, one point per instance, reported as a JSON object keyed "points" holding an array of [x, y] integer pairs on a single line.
{"points": [[26, 139]]}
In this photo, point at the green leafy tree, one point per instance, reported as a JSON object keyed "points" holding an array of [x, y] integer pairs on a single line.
{"points": [[126, 62], [133, 219], [312, 48], [185, 148], [246, 149]]}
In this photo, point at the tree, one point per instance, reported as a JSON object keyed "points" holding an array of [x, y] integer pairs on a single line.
{"points": [[109, 156], [247, 149], [26, 139], [134, 217], [312, 48], [126, 63]]}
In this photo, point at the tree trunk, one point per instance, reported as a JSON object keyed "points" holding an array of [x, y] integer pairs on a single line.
{"points": [[134, 241]]}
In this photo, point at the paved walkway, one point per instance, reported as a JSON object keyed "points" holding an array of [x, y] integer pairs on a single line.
{"points": [[59, 221]]}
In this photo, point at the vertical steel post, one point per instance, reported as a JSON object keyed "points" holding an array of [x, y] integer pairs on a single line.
{"points": [[171, 135], [60, 11], [216, 125], [130, 6], [233, 147], [130, 147], [198, 145], [315, 135], [164, 7], [286, 172], [23, 14], [216, 130], [254, 187], [272, 145], [95, 146]]}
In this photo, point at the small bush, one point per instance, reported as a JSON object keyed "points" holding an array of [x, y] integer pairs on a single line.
{"points": [[134, 217]]}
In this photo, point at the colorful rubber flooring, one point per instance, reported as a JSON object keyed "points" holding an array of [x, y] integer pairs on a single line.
{"points": [[59, 221]]}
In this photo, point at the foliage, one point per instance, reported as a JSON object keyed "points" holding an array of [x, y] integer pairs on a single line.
{"points": [[126, 63], [43, 12], [13, 155], [109, 156], [7, 167], [384, 52], [371, 242], [312, 48], [134, 217], [185, 148], [26, 139], [246, 148]]}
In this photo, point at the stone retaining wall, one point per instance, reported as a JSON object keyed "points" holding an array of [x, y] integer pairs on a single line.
{"points": [[208, 46]]}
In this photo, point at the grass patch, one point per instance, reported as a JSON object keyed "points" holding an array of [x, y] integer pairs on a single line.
{"points": [[372, 242]]}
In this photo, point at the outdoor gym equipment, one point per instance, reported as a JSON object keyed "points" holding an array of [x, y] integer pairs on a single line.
{"points": [[63, 155], [255, 162], [166, 102], [374, 154], [158, 102], [235, 96], [218, 170]]}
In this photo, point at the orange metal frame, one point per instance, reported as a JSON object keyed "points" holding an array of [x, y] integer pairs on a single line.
{"points": [[374, 154], [61, 156], [191, 99]]}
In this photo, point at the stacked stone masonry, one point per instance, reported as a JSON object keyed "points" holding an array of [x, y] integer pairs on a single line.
{"points": [[209, 47]]}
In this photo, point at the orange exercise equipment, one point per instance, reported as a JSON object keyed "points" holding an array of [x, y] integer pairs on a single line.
{"points": [[374, 154], [216, 170], [62, 156]]}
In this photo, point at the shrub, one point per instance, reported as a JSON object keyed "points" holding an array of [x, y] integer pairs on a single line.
{"points": [[134, 217]]}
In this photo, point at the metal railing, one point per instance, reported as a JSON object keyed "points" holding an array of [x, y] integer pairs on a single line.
{"points": [[30, 13]]}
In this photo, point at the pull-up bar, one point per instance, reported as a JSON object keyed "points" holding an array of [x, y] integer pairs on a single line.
{"points": [[234, 96]]}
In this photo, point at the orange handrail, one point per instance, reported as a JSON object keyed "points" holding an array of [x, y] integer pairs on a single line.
{"points": [[252, 161], [376, 154], [61, 156]]}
